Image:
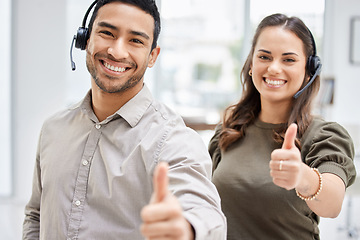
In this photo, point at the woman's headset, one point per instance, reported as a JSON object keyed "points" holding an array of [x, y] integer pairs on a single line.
{"points": [[313, 66]]}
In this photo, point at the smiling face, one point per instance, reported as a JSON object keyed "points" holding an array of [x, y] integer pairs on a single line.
{"points": [[278, 65], [119, 48]]}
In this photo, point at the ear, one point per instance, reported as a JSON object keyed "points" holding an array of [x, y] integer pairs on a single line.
{"points": [[87, 44], [153, 56]]}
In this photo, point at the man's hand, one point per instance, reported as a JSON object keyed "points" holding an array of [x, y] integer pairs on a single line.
{"points": [[162, 217]]}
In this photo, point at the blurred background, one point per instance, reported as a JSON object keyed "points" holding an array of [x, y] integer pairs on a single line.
{"points": [[204, 44]]}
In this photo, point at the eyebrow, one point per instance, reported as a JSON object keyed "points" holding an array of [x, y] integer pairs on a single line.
{"points": [[142, 34], [108, 25], [284, 54], [137, 33]]}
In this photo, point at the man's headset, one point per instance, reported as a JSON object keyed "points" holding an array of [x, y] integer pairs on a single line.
{"points": [[81, 36], [313, 66]]}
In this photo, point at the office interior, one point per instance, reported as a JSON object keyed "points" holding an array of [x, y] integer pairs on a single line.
{"points": [[204, 44]]}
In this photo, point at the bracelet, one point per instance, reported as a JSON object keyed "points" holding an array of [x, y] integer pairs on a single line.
{"points": [[312, 197]]}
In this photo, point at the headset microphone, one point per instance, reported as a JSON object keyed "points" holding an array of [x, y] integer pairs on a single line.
{"points": [[73, 66], [317, 72], [313, 66]]}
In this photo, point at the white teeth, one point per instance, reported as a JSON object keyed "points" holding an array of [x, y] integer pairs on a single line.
{"points": [[274, 82], [115, 69]]}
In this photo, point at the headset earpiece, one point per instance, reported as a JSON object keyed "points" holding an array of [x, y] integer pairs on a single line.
{"points": [[81, 38], [313, 67], [313, 64]]}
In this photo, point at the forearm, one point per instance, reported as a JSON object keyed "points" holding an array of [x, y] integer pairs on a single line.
{"points": [[329, 201]]}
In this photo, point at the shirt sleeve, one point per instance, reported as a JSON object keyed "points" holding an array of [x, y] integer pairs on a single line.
{"points": [[31, 224], [329, 147], [214, 148], [190, 181]]}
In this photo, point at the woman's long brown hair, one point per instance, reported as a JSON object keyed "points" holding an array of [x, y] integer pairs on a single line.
{"points": [[239, 116]]}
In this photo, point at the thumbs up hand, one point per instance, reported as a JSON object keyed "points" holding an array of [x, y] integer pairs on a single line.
{"points": [[162, 217], [286, 166]]}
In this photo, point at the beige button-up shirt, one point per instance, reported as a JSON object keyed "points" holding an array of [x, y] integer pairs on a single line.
{"points": [[92, 178]]}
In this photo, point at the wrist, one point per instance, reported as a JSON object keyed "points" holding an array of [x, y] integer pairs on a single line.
{"points": [[305, 193]]}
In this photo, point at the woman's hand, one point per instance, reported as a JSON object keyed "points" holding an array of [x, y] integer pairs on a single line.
{"points": [[286, 166]]}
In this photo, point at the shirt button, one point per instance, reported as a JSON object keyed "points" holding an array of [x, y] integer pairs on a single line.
{"points": [[98, 126], [85, 162], [77, 203]]}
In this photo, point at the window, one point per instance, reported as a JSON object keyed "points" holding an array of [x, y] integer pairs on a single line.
{"points": [[5, 140], [199, 65]]}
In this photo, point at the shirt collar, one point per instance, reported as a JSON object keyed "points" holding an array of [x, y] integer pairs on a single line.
{"points": [[131, 112], [86, 107], [136, 107]]}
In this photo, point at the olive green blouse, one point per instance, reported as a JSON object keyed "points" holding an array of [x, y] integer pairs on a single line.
{"points": [[254, 206]]}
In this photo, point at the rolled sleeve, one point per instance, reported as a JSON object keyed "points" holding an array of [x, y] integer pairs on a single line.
{"points": [[190, 181]]}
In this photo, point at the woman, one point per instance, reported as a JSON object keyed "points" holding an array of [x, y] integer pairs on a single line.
{"points": [[275, 185]]}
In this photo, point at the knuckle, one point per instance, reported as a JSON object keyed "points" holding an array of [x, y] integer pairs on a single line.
{"points": [[175, 211], [178, 229], [143, 228], [143, 213]]}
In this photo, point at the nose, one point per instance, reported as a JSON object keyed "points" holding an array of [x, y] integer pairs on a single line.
{"points": [[118, 49], [274, 67]]}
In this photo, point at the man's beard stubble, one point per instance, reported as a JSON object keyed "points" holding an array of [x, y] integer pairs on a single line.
{"points": [[131, 82]]}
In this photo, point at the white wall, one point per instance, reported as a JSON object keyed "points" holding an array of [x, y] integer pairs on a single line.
{"points": [[5, 96], [38, 79], [346, 108]]}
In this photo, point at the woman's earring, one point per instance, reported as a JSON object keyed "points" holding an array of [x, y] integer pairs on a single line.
{"points": [[250, 73]]}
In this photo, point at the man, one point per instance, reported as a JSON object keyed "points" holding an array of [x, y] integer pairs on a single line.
{"points": [[120, 165]]}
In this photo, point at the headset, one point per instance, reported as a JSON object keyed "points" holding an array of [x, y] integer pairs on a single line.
{"points": [[313, 65], [81, 36]]}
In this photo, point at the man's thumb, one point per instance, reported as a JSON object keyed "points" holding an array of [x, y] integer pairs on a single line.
{"points": [[160, 182]]}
